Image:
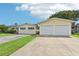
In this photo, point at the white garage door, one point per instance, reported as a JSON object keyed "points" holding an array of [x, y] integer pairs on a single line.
{"points": [[55, 30], [46, 30], [62, 30]]}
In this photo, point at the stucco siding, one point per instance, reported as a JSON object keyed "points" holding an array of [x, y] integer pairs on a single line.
{"points": [[27, 32]]}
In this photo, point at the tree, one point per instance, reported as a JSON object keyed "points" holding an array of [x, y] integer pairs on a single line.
{"points": [[3, 28], [66, 14], [15, 24], [11, 30]]}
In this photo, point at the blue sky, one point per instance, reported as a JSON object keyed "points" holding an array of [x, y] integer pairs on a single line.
{"points": [[32, 13], [9, 15]]}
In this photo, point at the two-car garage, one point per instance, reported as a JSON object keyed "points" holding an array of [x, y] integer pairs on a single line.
{"points": [[56, 27]]}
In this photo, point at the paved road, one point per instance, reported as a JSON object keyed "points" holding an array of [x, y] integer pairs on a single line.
{"points": [[50, 46], [9, 38]]}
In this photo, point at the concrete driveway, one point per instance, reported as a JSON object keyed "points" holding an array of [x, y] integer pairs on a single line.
{"points": [[50, 46], [9, 38]]}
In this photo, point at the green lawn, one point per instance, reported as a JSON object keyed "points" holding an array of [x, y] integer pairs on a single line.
{"points": [[76, 35], [10, 47], [5, 34]]}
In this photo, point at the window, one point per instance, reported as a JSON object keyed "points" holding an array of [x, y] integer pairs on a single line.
{"points": [[31, 28], [22, 28]]}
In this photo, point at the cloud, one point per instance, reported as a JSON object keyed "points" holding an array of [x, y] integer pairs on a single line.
{"points": [[22, 7], [44, 10]]}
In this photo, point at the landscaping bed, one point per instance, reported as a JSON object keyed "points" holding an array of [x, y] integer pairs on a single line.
{"points": [[76, 35]]}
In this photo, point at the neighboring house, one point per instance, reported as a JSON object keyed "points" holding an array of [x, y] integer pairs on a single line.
{"points": [[73, 28], [55, 27], [26, 29], [77, 28]]}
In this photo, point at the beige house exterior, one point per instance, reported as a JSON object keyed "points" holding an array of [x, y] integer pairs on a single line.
{"points": [[55, 27], [26, 29]]}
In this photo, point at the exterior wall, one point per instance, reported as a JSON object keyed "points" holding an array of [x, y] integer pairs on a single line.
{"points": [[27, 31]]}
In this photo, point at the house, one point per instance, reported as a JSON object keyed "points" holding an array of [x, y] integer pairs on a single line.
{"points": [[77, 28], [26, 29], [73, 29], [55, 27]]}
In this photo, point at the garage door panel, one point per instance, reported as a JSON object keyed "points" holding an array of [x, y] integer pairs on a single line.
{"points": [[46, 30], [62, 30]]}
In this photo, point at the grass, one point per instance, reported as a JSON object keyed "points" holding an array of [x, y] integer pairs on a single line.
{"points": [[76, 35], [5, 34], [10, 47]]}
